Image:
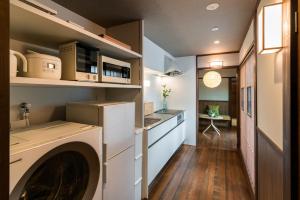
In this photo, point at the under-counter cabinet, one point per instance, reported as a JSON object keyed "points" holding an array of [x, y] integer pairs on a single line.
{"points": [[159, 145], [162, 150]]}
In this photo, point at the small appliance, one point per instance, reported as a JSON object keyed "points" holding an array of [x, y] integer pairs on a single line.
{"points": [[43, 66], [114, 71], [57, 160], [118, 122], [79, 61], [14, 55]]}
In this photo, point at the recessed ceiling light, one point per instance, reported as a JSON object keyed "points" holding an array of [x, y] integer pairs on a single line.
{"points": [[215, 28], [217, 42], [212, 6]]}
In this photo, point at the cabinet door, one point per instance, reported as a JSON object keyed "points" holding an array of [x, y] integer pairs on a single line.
{"points": [[118, 127], [138, 190], [162, 151], [118, 177], [160, 130], [138, 146]]}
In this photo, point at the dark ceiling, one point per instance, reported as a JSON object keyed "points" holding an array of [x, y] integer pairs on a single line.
{"points": [[181, 27]]}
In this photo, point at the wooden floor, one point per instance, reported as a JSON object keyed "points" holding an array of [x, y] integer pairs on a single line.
{"points": [[226, 141], [213, 171]]}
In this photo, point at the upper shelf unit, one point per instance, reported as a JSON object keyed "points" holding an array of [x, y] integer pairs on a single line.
{"points": [[38, 82], [32, 25]]}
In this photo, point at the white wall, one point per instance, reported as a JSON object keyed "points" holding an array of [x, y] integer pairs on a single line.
{"points": [[183, 94], [270, 92], [154, 56], [153, 92], [154, 65], [48, 104], [181, 98], [248, 42], [220, 93]]}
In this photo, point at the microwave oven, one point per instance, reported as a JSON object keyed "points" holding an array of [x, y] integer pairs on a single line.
{"points": [[114, 71], [79, 62]]}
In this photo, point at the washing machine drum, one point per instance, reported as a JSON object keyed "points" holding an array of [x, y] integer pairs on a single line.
{"points": [[70, 171]]}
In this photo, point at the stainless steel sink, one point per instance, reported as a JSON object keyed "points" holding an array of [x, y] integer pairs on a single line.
{"points": [[150, 121]]}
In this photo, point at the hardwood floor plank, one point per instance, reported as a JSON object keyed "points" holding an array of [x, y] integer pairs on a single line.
{"points": [[171, 177], [175, 181], [211, 172]]}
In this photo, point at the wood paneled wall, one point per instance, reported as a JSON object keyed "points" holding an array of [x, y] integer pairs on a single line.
{"points": [[4, 99], [233, 97], [270, 165], [224, 106]]}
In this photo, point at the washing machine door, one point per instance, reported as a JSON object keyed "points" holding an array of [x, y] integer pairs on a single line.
{"points": [[70, 171]]}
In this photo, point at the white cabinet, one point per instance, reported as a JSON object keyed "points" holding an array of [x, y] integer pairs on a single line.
{"points": [[162, 150], [155, 57], [118, 178], [138, 164], [117, 120], [159, 131]]}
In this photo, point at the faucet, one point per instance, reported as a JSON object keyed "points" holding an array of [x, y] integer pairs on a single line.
{"points": [[25, 111]]}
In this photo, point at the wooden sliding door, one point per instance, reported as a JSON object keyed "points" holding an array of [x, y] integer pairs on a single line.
{"points": [[247, 116]]}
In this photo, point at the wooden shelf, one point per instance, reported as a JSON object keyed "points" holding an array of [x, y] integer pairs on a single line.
{"points": [[32, 25], [38, 82]]}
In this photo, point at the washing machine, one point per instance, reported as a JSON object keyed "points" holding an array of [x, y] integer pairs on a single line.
{"points": [[58, 160]]}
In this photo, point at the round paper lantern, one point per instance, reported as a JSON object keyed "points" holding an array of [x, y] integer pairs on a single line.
{"points": [[212, 79]]}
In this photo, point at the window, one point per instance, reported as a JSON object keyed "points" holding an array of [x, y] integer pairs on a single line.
{"points": [[249, 101]]}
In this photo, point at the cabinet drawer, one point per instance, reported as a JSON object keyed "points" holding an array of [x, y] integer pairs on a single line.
{"points": [[162, 151], [159, 131], [138, 147], [138, 161], [138, 190], [119, 176]]}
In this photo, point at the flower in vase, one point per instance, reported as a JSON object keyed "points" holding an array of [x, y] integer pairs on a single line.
{"points": [[166, 92]]}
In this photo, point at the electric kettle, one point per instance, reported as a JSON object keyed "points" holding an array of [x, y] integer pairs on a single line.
{"points": [[14, 62]]}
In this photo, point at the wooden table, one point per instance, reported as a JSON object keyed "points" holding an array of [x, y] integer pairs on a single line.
{"points": [[220, 117]]}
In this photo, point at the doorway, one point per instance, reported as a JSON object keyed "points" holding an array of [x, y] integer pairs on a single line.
{"points": [[218, 108]]}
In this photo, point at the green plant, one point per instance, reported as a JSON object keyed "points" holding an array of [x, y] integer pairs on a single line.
{"points": [[166, 92]]}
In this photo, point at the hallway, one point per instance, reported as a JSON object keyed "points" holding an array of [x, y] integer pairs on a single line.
{"points": [[209, 172]]}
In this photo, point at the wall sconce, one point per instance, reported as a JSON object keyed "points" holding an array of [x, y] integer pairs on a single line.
{"points": [[147, 83], [216, 64], [270, 29]]}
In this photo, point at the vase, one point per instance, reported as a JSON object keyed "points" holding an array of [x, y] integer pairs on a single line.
{"points": [[165, 104]]}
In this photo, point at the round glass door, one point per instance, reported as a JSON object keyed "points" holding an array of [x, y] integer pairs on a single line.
{"points": [[68, 172], [64, 176]]}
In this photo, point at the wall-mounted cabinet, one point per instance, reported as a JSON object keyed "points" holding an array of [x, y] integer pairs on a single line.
{"points": [[155, 57]]}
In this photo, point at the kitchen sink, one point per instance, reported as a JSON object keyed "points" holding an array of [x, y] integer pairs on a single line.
{"points": [[150, 121]]}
